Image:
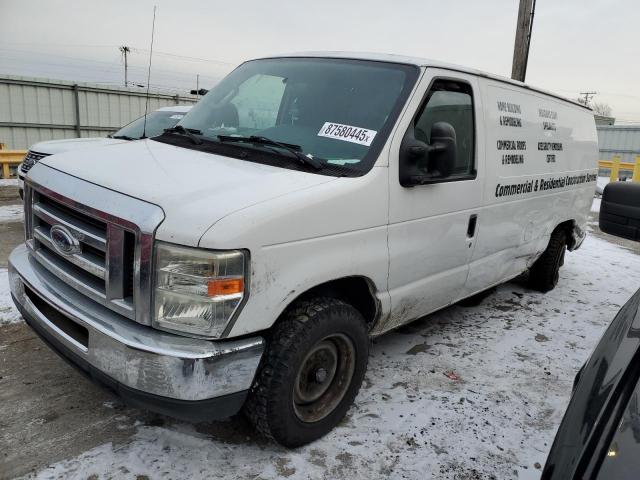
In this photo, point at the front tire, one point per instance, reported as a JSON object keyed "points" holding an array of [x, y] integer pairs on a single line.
{"points": [[311, 372], [545, 272]]}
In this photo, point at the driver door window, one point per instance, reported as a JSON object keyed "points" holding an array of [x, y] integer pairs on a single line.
{"points": [[451, 102]]}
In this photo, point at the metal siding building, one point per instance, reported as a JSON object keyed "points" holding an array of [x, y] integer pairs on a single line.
{"points": [[36, 109], [621, 140]]}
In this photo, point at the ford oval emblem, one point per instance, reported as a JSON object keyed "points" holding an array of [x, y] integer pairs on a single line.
{"points": [[63, 241]]}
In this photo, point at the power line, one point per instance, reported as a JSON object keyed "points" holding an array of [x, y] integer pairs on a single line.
{"points": [[75, 63], [85, 60], [142, 50], [65, 45], [185, 57]]}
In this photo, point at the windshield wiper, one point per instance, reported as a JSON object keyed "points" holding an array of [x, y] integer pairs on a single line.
{"points": [[189, 132], [123, 137], [296, 150]]}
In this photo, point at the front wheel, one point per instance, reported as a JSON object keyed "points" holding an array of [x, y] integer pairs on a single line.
{"points": [[311, 372]]}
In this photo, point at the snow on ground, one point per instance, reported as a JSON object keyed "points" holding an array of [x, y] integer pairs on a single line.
{"points": [[8, 312], [595, 206], [11, 213], [470, 392]]}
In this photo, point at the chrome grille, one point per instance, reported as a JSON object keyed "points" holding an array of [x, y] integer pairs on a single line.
{"points": [[101, 269], [112, 234], [31, 159]]}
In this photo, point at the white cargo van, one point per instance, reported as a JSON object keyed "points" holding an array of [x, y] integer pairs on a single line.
{"points": [[332, 197]]}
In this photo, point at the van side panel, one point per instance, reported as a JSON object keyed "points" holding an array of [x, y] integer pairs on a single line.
{"points": [[541, 160]]}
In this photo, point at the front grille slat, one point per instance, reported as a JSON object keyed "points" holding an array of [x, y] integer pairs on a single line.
{"points": [[86, 261], [84, 282], [87, 233], [100, 269]]}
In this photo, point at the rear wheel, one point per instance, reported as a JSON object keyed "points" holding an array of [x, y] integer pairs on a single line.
{"points": [[545, 272], [311, 372]]}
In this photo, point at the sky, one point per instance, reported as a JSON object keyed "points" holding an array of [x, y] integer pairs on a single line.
{"points": [[576, 46]]}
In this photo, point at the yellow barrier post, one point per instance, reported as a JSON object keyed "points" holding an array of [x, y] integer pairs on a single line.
{"points": [[636, 170], [9, 158], [615, 168]]}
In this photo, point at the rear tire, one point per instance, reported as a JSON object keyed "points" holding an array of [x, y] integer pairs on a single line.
{"points": [[545, 272], [311, 371]]}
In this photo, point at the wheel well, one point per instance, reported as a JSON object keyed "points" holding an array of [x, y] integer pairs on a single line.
{"points": [[357, 291], [568, 227]]}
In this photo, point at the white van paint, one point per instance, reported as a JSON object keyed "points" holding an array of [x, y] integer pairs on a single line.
{"points": [[524, 167]]}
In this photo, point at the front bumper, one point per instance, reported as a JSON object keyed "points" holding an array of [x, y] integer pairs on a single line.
{"points": [[183, 377]]}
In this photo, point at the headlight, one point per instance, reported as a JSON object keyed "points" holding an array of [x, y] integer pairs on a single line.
{"points": [[197, 291]]}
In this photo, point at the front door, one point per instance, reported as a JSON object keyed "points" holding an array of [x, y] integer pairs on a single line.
{"points": [[432, 228]]}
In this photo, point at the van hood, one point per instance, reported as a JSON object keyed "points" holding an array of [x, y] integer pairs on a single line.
{"points": [[195, 189], [52, 147]]}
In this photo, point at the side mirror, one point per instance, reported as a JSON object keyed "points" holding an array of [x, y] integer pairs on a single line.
{"points": [[620, 210], [422, 163]]}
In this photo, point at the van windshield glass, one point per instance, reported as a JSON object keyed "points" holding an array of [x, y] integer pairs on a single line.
{"points": [[338, 111]]}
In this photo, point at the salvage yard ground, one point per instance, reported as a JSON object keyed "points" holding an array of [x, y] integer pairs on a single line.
{"points": [[468, 393]]}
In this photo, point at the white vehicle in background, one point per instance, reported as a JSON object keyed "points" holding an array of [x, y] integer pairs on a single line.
{"points": [[157, 121], [332, 197]]}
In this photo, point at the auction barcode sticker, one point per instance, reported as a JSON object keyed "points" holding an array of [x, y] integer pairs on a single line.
{"points": [[347, 133]]}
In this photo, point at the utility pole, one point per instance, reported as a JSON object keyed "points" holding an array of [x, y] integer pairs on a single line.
{"points": [[125, 50], [587, 97], [523, 39]]}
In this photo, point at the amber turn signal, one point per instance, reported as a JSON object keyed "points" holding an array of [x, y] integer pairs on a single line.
{"points": [[225, 286]]}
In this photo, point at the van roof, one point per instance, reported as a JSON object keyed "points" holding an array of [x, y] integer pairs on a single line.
{"points": [[424, 62]]}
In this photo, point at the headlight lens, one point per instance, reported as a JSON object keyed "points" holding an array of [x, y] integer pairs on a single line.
{"points": [[197, 291]]}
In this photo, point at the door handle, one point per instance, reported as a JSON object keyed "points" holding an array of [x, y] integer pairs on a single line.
{"points": [[471, 227]]}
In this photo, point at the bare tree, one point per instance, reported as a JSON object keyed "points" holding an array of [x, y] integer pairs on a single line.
{"points": [[601, 108]]}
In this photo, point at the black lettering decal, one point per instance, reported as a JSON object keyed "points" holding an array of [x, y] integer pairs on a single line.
{"points": [[509, 107], [508, 121]]}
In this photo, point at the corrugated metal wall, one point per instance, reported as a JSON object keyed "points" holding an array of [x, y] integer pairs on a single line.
{"points": [[33, 110], [621, 140]]}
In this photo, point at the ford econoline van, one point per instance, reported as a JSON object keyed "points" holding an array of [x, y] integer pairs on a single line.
{"points": [[331, 198]]}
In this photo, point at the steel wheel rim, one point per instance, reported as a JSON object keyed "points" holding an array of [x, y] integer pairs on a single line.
{"points": [[324, 377]]}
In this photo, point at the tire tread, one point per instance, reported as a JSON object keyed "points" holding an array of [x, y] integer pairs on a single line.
{"points": [[277, 358], [543, 271]]}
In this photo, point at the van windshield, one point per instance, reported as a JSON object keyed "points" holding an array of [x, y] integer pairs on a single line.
{"points": [[338, 111]]}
